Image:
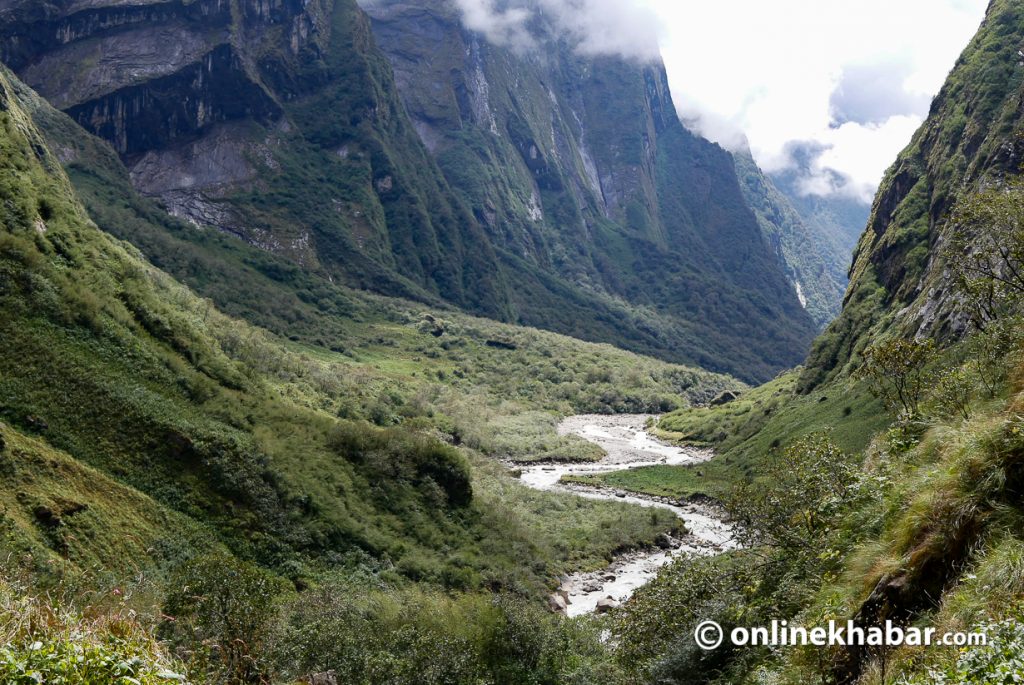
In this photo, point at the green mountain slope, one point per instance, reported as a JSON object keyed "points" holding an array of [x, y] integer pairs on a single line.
{"points": [[815, 263], [203, 431], [609, 228], [579, 167], [899, 277]]}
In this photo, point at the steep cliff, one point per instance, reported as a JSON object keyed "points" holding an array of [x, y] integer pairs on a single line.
{"points": [[579, 167], [972, 138], [554, 191], [273, 120], [816, 262]]}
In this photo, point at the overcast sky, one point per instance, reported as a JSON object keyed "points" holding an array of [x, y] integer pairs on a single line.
{"points": [[854, 78], [850, 79]]}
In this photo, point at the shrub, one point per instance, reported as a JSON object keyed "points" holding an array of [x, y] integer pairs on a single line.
{"points": [[46, 642], [897, 372], [222, 611]]}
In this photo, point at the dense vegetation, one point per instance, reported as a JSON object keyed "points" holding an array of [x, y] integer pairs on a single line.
{"points": [[158, 450], [312, 491]]}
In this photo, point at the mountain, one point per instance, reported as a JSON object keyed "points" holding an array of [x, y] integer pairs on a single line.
{"points": [[881, 483], [899, 277], [151, 445], [803, 233], [838, 220], [448, 169], [580, 167], [216, 109]]}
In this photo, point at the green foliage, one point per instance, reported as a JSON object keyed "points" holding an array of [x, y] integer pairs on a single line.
{"points": [[44, 641], [411, 637], [798, 498], [398, 457], [222, 608], [952, 394], [1001, 660], [897, 371], [993, 351], [986, 254]]}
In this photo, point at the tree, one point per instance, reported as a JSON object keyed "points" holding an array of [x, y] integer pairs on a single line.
{"points": [[897, 372], [799, 497], [986, 254]]}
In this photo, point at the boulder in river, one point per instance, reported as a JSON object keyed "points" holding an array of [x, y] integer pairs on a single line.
{"points": [[606, 604], [557, 604]]}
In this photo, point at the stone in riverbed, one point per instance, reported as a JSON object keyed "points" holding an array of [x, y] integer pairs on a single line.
{"points": [[606, 604], [557, 604]]}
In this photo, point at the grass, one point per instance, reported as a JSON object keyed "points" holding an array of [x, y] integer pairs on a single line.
{"points": [[674, 482], [46, 640]]}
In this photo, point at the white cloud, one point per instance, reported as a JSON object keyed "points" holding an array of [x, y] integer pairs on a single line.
{"points": [[851, 78], [501, 26], [597, 27]]}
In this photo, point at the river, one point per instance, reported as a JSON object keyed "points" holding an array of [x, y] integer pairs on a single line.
{"points": [[628, 446]]}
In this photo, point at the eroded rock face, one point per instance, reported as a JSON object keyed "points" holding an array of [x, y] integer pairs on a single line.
{"points": [[150, 77], [235, 113]]}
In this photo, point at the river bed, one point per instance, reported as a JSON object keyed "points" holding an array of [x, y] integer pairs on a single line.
{"points": [[628, 446]]}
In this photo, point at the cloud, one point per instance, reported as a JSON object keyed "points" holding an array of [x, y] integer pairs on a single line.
{"points": [[851, 81], [507, 27], [595, 27]]}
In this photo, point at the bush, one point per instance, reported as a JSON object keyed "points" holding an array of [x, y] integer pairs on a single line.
{"points": [[222, 611], [897, 372]]}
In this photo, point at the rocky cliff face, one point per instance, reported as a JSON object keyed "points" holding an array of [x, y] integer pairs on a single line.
{"points": [[547, 189], [810, 242], [972, 137], [217, 108], [580, 167]]}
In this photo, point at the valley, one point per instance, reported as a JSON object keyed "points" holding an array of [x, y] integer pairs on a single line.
{"points": [[374, 343]]}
